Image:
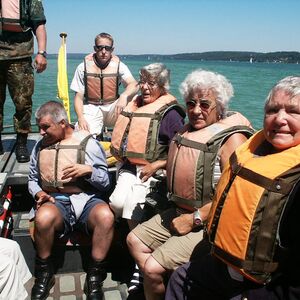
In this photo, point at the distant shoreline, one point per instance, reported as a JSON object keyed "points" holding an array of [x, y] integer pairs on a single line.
{"points": [[239, 56]]}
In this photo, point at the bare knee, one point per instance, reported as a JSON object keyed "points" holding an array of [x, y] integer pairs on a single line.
{"points": [[47, 216], [153, 270], [134, 243], [102, 215]]}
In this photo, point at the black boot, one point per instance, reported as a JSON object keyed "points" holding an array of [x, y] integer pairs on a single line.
{"points": [[21, 149], [95, 276], [44, 279]]}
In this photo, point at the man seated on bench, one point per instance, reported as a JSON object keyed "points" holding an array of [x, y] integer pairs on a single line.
{"points": [[68, 178]]}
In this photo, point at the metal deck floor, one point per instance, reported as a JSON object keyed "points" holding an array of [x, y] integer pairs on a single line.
{"points": [[70, 286]]}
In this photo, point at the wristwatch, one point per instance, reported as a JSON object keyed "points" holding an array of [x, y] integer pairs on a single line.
{"points": [[197, 218], [42, 52]]}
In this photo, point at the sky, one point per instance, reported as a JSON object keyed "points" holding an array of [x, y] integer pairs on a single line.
{"points": [[175, 26]]}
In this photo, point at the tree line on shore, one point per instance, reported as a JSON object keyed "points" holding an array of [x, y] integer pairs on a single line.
{"points": [[277, 57]]}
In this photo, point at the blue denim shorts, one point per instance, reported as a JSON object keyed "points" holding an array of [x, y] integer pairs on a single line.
{"points": [[70, 222]]}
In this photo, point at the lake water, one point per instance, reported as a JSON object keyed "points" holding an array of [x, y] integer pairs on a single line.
{"points": [[251, 82]]}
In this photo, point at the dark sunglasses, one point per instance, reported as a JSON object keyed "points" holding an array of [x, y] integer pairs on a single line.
{"points": [[204, 104], [101, 47]]}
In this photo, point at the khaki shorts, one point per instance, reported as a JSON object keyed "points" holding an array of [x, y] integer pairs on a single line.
{"points": [[169, 250]]}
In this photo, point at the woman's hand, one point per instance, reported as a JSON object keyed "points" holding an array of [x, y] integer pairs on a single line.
{"points": [[151, 168]]}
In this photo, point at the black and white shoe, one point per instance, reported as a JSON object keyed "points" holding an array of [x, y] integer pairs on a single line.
{"points": [[136, 282]]}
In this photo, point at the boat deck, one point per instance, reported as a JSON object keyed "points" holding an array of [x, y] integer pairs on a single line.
{"points": [[70, 275]]}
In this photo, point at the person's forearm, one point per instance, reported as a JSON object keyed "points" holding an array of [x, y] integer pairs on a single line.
{"points": [[41, 37], [204, 211], [131, 90], [78, 105], [159, 164]]}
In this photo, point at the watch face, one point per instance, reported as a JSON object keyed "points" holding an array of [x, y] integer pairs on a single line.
{"points": [[197, 218], [197, 221]]}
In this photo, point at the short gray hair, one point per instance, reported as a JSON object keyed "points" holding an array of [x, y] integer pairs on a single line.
{"points": [[203, 79], [159, 73], [289, 84], [54, 109]]}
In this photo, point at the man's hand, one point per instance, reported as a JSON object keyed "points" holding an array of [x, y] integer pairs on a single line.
{"points": [[83, 124], [77, 170], [121, 104], [40, 63], [43, 197], [183, 224]]}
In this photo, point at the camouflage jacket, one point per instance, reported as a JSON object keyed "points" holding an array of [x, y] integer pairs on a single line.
{"points": [[16, 45]]}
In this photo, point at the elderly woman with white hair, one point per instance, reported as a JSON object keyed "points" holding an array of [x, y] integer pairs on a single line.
{"points": [[196, 157], [254, 226]]}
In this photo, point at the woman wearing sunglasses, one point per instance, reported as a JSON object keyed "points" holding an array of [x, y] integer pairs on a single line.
{"points": [[196, 157]]}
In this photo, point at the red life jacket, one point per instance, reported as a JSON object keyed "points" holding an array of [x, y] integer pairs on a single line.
{"points": [[12, 16], [53, 159], [192, 156], [135, 135], [101, 85]]}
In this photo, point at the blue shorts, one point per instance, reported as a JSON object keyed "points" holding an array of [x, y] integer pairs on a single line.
{"points": [[70, 222]]}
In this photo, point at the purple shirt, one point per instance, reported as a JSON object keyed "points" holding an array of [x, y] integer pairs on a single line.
{"points": [[171, 123]]}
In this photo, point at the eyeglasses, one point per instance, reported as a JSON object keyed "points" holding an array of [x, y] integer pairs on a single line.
{"points": [[204, 104], [149, 83], [101, 47]]}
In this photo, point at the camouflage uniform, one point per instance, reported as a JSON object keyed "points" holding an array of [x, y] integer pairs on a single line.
{"points": [[16, 71]]}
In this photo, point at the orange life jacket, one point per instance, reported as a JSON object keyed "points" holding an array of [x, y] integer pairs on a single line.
{"points": [[13, 16], [192, 156], [135, 135], [248, 208], [53, 159], [101, 85]]}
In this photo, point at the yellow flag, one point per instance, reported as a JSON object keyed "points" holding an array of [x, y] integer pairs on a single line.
{"points": [[62, 76]]}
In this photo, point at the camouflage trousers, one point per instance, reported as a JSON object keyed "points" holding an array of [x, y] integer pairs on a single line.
{"points": [[17, 75]]}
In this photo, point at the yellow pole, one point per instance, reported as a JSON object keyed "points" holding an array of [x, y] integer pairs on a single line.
{"points": [[62, 76]]}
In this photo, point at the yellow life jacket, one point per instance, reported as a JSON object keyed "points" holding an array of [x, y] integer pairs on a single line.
{"points": [[135, 135], [101, 85], [248, 207], [13, 16], [192, 156], [53, 159]]}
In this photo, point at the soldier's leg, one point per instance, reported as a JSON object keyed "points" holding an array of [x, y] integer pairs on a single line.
{"points": [[21, 86]]}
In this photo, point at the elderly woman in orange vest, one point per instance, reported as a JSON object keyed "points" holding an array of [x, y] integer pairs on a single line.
{"points": [[254, 224], [195, 159], [141, 140]]}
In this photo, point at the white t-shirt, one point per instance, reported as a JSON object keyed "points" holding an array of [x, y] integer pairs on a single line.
{"points": [[78, 86]]}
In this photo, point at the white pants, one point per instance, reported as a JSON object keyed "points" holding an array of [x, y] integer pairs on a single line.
{"points": [[14, 272], [128, 198], [98, 116]]}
